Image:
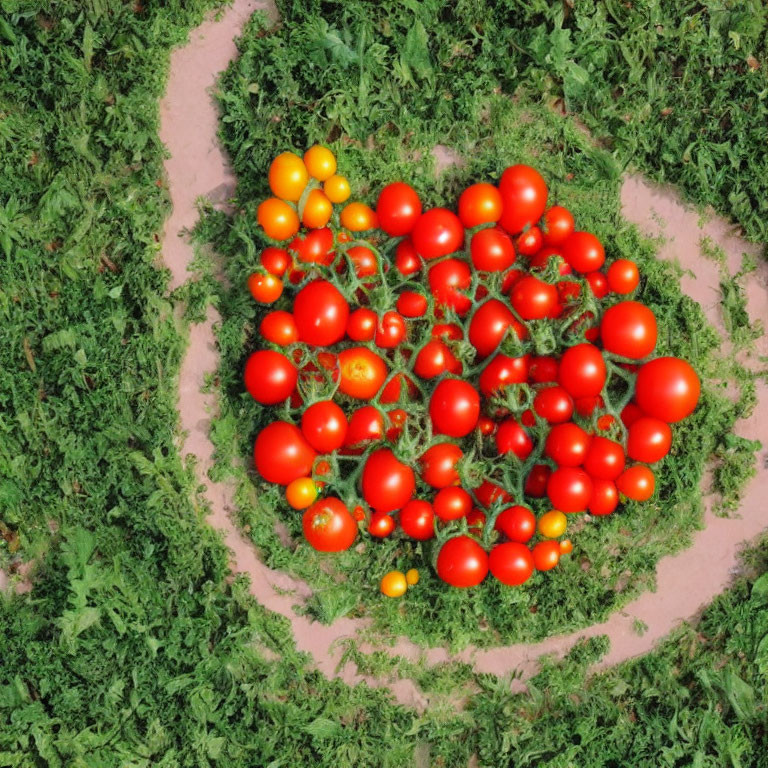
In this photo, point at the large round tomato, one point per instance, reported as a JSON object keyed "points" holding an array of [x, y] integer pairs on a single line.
{"points": [[489, 325], [479, 204], [553, 404], [558, 224], [567, 444], [491, 250], [605, 459], [454, 408], [438, 465], [447, 280], [511, 563], [501, 371], [328, 526], [452, 503], [324, 426], [365, 424], [533, 299], [437, 232], [524, 196], [517, 523], [270, 377], [629, 329], [398, 209], [462, 562], [512, 438], [417, 519], [569, 489], [362, 372], [583, 251], [582, 371], [387, 483], [667, 388], [636, 483], [281, 454], [649, 440], [321, 313]]}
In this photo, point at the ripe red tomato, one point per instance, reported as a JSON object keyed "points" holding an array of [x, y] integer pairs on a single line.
{"points": [[542, 259], [569, 489], [275, 260], [511, 563], [462, 562], [537, 481], [362, 372], [324, 426], [363, 260], [328, 526], [649, 440], [417, 519], [411, 304], [279, 327], [281, 454], [449, 331], [629, 329], [366, 423], [396, 418], [553, 404], [479, 204], [605, 459], [447, 280], [501, 371], [407, 261], [316, 247], [530, 242], [486, 426], [533, 299], [488, 492], [381, 525], [630, 414], [321, 313], [390, 331], [512, 438], [492, 250], [586, 406], [433, 359], [567, 444], [361, 324], [398, 209], [387, 483], [598, 283], [582, 371], [543, 369], [546, 555], [438, 465], [265, 288], [636, 482], [392, 391], [437, 232], [584, 252], [623, 276], [270, 377], [489, 325], [668, 389], [559, 225], [454, 408], [452, 503], [517, 523], [524, 196], [604, 499]]}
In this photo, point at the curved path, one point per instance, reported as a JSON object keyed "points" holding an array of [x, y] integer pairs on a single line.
{"points": [[686, 582]]}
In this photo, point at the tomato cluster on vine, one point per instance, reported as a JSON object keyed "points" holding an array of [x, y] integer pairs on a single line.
{"points": [[438, 375]]}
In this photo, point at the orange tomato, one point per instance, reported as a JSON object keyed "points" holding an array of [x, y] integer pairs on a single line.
{"points": [[278, 219], [288, 176], [566, 547], [317, 210], [265, 288], [337, 188], [301, 493], [412, 577], [362, 372], [394, 584], [320, 162], [358, 217], [546, 555], [552, 524]]}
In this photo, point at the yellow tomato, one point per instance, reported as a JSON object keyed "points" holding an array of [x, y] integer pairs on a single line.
{"points": [[279, 220], [288, 176], [566, 547], [394, 584], [553, 524], [358, 217], [320, 162], [412, 577], [301, 492], [317, 210], [265, 288], [337, 189]]}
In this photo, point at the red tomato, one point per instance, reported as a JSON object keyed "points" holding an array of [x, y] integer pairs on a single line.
{"points": [[586, 406], [398, 209], [546, 555], [433, 359], [476, 521], [512, 438], [363, 260], [437, 232], [533, 299], [270, 377], [545, 255], [501, 371], [275, 260], [447, 331], [486, 426], [417, 520], [407, 261], [623, 276], [629, 329], [582, 371], [324, 426], [361, 324], [553, 404], [530, 242], [598, 283], [328, 526], [265, 287], [488, 492], [569, 489], [511, 563], [279, 327], [447, 280], [667, 388], [604, 499], [636, 482], [559, 225], [584, 252], [517, 523], [438, 465], [362, 372], [537, 480], [605, 459], [452, 503], [543, 369], [281, 454], [316, 247], [630, 414], [390, 331], [321, 313], [649, 440], [479, 204], [567, 444], [524, 196], [462, 562], [489, 325], [392, 391], [492, 250], [366, 424], [454, 408], [397, 418], [381, 525], [387, 483], [411, 304]]}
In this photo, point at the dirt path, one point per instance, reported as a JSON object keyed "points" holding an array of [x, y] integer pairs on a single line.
{"points": [[686, 582]]}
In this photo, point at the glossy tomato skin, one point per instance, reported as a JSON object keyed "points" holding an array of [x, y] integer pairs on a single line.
{"points": [[434, 359], [281, 454], [407, 261], [512, 438], [438, 465], [569, 489], [411, 304], [629, 329], [324, 426], [649, 440], [362, 372], [393, 390], [567, 444], [623, 276], [479, 204], [537, 481], [517, 523], [584, 252], [511, 563], [390, 331], [533, 299], [447, 281], [582, 371], [275, 260], [488, 492], [417, 519], [270, 377], [328, 526], [365, 424], [558, 225], [605, 459], [530, 242], [437, 232], [381, 525], [489, 325], [501, 371], [321, 313], [454, 408], [524, 196], [314, 247], [491, 250], [668, 389], [553, 404], [546, 555], [630, 414], [452, 503], [543, 369], [361, 324], [636, 482], [604, 499], [387, 483], [398, 209], [462, 562], [598, 284], [363, 260], [279, 327]]}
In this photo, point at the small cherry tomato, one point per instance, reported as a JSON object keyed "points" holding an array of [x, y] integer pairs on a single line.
{"points": [[584, 252], [546, 555], [278, 219], [530, 242], [381, 525], [407, 261], [363, 260], [437, 232], [394, 584], [511, 563], [324, 426], [266, 289], [328, 526], [358, 217], [390, 331], [566, 547], [552, 524], [537, 480], [275, 260], [604, 499], [649, 440], [491, 250], [438, 465], [479, 204], [320, 162], [462, 562], [569, 489], [623, 276], [398, 209], [417, 520], [598, 283], [452, 503], [558, 224], [279, 327], [288, 176], [336, 188], [411, 304], [637, 482], [361, 324], [301, 493], [517, 523], [412, 577]]}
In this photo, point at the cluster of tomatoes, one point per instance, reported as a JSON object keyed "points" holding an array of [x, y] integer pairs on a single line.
{"points": [[447, 374]]}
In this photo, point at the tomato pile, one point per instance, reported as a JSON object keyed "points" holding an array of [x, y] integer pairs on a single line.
{"points": [[467, 378]]}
